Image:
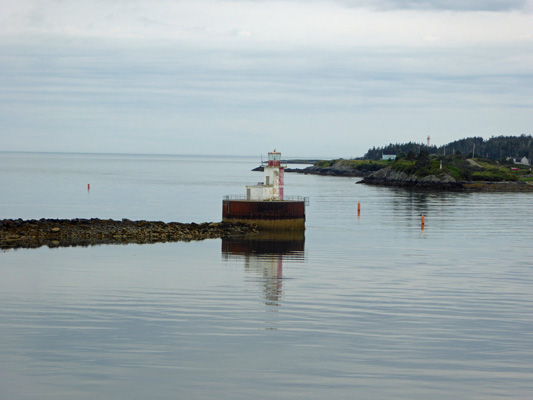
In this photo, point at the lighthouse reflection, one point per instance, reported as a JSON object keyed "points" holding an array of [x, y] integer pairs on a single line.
{"points": [[263, 256]]}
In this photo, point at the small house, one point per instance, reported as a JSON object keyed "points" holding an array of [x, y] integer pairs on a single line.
{"points": [[523, 161], [519, 160]]}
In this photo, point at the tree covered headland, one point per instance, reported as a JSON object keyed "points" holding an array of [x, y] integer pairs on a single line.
{"points": [[496, 148]]}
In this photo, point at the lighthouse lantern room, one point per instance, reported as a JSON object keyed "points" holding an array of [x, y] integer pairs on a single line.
{"points": [[272, 186]]}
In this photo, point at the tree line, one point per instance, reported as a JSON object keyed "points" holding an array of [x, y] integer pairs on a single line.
{"points": [[496, 148]]}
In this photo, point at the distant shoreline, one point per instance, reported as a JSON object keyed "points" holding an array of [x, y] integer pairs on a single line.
{"points": [[324, 171], [387, 177]]}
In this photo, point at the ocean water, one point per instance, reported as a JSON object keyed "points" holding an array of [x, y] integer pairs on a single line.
{"points": [[365, 306]]}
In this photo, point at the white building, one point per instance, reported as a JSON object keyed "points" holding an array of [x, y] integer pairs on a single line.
{"points": [[522, 160]]}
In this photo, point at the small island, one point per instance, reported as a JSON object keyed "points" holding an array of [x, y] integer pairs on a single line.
{"points": [[448, 167], [452, 173]]}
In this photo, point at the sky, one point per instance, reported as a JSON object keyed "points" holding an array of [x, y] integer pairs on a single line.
{"points": [[309, 78]]}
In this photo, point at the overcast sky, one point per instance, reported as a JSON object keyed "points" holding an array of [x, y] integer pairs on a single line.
{"points": [[308, 77]]}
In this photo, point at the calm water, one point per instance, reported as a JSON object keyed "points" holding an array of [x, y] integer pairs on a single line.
{"points": [[367, 307]]}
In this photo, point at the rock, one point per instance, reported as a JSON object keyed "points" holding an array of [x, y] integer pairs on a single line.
{"points": [[389, 177], [31, 233]]}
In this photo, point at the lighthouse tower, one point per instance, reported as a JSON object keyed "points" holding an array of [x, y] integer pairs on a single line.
{"points": [[265, 204], [272, 186]]}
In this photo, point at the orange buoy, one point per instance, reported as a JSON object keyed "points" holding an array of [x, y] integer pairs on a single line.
{"points": [[88, 186], [358, 208], [423, 220]]}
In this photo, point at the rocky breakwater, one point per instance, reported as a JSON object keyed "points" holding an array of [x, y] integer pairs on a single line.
{"points": [[18, 233], [389, 177]]}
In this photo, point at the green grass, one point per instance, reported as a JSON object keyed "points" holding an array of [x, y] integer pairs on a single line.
{"points": [[460, 169], [359, 165], [456, 166], [325, 163], [495, 175]]}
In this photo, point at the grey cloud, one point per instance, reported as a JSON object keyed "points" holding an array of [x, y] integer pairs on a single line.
{"points": [[167, 78], [454, 5], [88, 88]]}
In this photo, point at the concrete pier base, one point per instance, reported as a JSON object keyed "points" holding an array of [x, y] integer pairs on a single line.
{"points": [[266, 215], [293, 224]]}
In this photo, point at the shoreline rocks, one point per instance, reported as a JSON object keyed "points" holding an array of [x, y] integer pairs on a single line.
{"points": [[389, 177], [19, 233]]}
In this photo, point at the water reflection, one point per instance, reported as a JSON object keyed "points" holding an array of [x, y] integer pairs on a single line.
{"points": [[35, 243], [421, 202], [406, 207], [263, 255]]}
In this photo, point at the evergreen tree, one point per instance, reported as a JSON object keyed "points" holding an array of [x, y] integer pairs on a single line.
{"points": [[496, 148]]}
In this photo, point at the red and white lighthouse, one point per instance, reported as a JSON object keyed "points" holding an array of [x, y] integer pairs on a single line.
{"points": [[272, 186], [265, 203]]}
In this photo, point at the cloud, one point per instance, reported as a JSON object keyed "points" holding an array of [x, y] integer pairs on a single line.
{"points": [[247, 24], [456, 5], [199, 76]]}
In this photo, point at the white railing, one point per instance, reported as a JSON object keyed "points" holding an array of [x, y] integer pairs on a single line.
{"points": [[283, 164], [252, 198]]}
